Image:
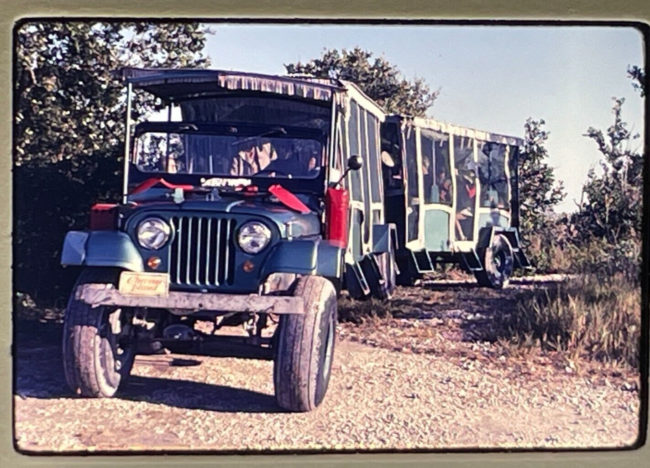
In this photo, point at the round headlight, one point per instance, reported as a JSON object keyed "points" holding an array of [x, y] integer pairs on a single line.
{"points": [[153, 233], [253, 237]]}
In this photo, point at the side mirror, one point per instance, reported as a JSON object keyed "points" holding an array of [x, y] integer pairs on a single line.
{"points": [[354, 163]]}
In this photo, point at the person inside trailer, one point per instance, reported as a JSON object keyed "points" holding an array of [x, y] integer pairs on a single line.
{"points": [[444, 187]]}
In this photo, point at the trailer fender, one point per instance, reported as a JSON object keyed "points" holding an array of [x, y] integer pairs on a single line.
{"points": [[101, 248], [486, 234], [512, 234], [305, 257]]}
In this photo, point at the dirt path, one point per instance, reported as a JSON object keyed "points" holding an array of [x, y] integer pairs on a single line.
{"points": [[453, 394]]}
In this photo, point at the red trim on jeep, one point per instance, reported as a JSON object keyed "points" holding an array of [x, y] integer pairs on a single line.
{"points": [[337, 203], [147, 184], [288, 199], [103, 216]]}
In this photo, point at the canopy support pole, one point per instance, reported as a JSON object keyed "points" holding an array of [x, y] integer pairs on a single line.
{"points": [[127, 143]]}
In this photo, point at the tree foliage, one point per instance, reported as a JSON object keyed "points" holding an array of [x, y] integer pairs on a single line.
{"points": [[639, 79], [539, 191], [611, 207], [539, 194], [377, 77], [69, 127], [609, 218]]}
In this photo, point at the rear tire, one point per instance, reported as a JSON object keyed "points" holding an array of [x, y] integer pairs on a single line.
{"points": [[498, 263], [98, 344], [387, 268], [305, 347]]}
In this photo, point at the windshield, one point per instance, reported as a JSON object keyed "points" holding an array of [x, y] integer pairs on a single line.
{"points": [[269, 154]]}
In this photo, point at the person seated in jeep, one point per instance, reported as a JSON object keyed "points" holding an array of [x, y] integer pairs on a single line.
{"points": [[252, 157]]}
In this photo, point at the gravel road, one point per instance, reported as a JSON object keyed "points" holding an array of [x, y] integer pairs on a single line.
{"points": [[457, 394]]}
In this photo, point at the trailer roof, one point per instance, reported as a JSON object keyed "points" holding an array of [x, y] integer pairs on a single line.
{"points": [[446, 127], [163, 83]]}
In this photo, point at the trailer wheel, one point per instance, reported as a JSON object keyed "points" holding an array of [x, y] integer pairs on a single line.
{"points": [[305, 347], [498, 263], [98, 344], [387, 267]]}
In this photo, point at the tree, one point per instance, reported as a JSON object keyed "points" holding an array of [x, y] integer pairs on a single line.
{"points": [[638, 77], [539, 193], [609, 218], [69, 127], [377, 77], [611, 207]]}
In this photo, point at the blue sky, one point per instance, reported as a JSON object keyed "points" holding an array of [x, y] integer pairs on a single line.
{"points": [[490, 77]]}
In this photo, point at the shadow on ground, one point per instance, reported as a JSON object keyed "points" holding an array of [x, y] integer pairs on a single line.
{"points": [[459, 310], [38, 373], [196, 395]]}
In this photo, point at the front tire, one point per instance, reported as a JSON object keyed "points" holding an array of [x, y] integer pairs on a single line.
{"points": [[305, 347], [98, 344]]}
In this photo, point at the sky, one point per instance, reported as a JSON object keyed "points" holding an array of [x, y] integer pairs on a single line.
{"points": [[490, 77]]}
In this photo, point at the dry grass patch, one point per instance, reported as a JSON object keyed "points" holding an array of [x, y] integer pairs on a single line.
{"points": [[587, 317]]}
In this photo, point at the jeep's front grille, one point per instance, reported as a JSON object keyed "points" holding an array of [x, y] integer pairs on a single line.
{"points": [[202, 251]]}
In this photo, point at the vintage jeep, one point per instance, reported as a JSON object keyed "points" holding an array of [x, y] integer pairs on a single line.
{"points": [[251, 205]]}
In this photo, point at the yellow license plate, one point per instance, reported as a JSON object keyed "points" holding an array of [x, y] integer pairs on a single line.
{"points": [[144, 284]]}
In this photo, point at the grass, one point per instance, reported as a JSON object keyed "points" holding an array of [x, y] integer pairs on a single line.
{"points": [[588, 317]]}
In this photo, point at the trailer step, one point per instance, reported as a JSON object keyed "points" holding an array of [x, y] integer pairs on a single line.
{"points": [[471, 261], [422, 261]]}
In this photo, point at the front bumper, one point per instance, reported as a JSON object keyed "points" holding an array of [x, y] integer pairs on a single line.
{"points": [[187, 303]]}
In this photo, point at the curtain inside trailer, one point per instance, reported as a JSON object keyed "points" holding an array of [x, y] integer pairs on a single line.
{"points": [[492, 176], [465, 186]]}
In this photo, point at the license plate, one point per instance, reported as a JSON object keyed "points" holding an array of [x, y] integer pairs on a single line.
{"points": [[144, 284]]}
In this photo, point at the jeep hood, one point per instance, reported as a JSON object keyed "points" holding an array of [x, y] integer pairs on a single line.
{"points": [[289, 222]]}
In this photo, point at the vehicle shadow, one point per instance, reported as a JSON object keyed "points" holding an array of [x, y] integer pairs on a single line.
{"points": [[38, 373], [449, 285], [197, 395]]}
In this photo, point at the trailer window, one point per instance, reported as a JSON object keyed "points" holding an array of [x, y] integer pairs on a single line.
{"points": [[413, 202], [492, 174], [411, 164], [390, 143], [373, 157], [435, 167], [465, 186], [353, 135]]}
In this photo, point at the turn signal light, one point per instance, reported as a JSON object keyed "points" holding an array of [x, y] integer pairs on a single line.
{"points": [[154, 262], [248, 266]]}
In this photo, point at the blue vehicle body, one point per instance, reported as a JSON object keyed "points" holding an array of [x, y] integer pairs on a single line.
{"points": [[333, 114]]}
